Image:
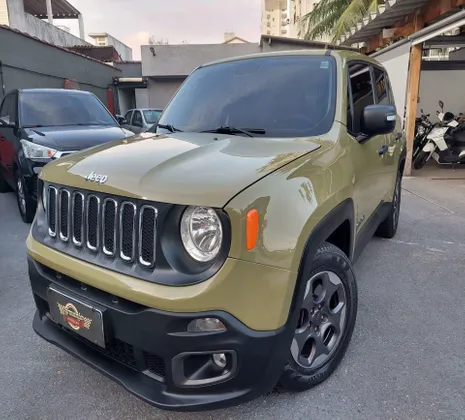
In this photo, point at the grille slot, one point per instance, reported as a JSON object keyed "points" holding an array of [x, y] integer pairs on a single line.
{"points": [[117, 227], [78, 218], [64, 214], [52, 210], [110, 208], [147, 235], [127, 231], [93, 216]]}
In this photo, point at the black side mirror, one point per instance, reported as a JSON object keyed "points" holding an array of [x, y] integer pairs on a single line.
{"points": [[121, 120], [379, 119]]}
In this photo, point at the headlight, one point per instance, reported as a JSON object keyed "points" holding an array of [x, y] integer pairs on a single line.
{"points": [[36, 151], [421, 130], [201, 233]]}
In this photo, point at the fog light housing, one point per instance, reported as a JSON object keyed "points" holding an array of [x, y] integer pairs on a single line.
{"points": [[219, 359], [206, 325]]}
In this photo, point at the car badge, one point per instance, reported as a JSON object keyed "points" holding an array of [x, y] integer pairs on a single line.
{"points": [[98, 178]]}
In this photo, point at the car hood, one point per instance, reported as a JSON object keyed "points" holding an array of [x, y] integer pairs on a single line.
{"points": [[75, 137], [182, 168]]}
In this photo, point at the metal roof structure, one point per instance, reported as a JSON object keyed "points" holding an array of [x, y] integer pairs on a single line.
{"points": [[386, 16], [62, 9]]}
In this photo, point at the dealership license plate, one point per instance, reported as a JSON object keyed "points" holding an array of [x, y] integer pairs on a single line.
{"points": [[81, 318]]}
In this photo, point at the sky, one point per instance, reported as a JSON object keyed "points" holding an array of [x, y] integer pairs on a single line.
{"points": [[194, 21]]}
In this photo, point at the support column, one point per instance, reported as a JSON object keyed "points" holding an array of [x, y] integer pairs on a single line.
{"points": [[82, 33], [49, 11], [413, 86]]}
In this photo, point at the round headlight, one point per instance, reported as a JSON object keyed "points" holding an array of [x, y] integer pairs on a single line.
{"points": [[201, 233], [421, 130]]}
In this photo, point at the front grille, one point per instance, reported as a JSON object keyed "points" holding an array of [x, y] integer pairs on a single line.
{"points": [[116, 227], [155, 364]]}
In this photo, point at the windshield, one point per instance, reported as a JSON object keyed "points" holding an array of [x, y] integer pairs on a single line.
{"points": [[286, 96], [151, 115], [62, 108]]}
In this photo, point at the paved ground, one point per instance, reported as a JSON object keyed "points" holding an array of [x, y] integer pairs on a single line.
{"points": [[406, 359]]}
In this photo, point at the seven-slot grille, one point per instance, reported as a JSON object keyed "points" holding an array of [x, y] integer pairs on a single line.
{"points": [[117, 227]]}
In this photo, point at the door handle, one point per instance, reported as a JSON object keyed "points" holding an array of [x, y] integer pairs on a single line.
{"points": [[383, 150]]}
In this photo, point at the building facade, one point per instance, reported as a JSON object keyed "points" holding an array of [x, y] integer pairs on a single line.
{"points": [[104, 40], [282, 17]]}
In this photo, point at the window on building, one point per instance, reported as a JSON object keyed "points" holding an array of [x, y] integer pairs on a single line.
{"points": [[381, 87], [360, 94]]}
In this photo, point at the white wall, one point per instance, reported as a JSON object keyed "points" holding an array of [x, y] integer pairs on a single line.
{"points": [[142, 98], [445, 85], [123, 50], [160, 91]]}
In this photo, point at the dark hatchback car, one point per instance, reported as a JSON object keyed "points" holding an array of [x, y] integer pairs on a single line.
{"points": [[41, 125]]}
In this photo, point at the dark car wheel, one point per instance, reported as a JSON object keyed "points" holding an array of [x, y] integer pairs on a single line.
{"points": [[388, 228], [4, 186], [326, 320], [26, 205]]}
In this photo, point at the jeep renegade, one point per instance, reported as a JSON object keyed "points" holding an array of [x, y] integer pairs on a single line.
{"points": [[203, 264]]}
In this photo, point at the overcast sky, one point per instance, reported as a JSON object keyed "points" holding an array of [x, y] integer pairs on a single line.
{"points": [[196, 21]]}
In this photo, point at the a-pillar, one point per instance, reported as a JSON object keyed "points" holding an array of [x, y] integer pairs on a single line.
{"points": [[49, 11]]}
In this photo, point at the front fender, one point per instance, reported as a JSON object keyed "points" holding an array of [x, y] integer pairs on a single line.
{"points": [[429, 147], [291, 202]]}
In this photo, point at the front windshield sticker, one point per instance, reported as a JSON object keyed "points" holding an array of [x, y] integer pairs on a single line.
{"points": [[324, 65]]}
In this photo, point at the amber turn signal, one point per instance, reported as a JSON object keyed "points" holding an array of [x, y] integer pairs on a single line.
{"points": [[251, 229]]}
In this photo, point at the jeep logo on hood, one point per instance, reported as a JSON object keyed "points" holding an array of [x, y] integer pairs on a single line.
{"points": [[98, 178]]}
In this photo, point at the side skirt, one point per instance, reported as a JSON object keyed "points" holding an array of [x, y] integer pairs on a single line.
{"points": [[369, 229]]}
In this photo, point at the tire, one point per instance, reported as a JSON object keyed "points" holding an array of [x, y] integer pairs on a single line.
{"points": [[421, 160], [388, 228], [26, 205], [329, 264], [4, 186]]}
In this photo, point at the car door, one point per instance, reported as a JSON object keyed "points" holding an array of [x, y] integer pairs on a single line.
{"points": [[128, 117], [392, 141], [8, 131], [368, 182], [137, 124]]}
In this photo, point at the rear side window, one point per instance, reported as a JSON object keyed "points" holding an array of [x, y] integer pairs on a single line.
{"points": [[288, 96], [381, 86], [360, 95]]}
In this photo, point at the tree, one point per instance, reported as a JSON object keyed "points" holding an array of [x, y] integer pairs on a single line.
{"points": [[161, 41], [335, 17]]}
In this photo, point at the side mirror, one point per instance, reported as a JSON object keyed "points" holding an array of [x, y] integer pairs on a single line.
{"points": [[441, 105], [121, 120], [379, 119]]}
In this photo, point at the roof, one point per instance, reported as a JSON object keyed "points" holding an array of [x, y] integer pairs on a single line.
{"points": [[56, 46], [61, 9], [385, 16], [307, 52], [270, 39], [235, 38]]}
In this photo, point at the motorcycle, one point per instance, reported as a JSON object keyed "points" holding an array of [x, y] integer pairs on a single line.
{"points": [[444, 148], [423, 127]]}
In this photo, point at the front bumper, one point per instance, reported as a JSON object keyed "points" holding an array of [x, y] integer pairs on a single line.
{"points": [[144, 347]]}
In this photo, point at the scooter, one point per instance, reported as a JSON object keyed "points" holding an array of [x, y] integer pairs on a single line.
{"points": [[443, 152]]}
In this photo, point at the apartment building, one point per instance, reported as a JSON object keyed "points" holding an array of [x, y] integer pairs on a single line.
{"points": [[282, 17]]}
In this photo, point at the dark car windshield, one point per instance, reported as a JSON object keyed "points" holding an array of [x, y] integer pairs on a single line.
{"points": [[287, 96], [151, 115], [62, 108]]}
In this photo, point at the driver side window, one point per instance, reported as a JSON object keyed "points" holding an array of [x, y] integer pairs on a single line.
{"points": [[137, 119], [360, 95], [8, 111], [128, 116]]}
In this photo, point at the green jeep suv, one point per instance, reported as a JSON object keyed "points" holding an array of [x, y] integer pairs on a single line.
{"points": [[203, 264]]}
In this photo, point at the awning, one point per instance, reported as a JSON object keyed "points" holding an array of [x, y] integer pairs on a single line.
{"points": [[386, 16], [61, 9]]}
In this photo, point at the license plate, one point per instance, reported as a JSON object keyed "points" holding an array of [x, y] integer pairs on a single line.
{"points": [[81, 318]]}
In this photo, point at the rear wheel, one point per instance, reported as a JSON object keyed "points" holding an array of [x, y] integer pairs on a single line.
{"points": [[26, 205], [326, 320], [388, 228], [421, 160]]}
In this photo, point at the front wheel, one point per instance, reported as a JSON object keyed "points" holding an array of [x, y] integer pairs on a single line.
{"points": [[421, 159], [26, 204], [326, 320]]}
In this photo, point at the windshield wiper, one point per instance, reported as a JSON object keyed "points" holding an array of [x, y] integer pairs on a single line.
{"points": [[169, 127], [234, 130]]}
